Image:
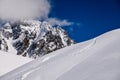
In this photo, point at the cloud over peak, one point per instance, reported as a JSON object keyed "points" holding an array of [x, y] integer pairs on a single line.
{"points": [[24, 9], [18, 10], [55, 21]]}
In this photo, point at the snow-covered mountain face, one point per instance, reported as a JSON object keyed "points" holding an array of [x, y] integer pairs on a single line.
{"points": [[33, 38], [95, 59]]}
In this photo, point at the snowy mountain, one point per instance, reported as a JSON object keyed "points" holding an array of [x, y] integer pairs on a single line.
{"points": [[31, 38], [95, 59]]}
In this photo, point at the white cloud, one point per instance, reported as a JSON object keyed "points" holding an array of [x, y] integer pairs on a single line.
{"points": [[16, 10], [55, 21], [23, 9]]}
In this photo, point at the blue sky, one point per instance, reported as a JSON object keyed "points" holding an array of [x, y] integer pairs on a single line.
{"points": [[95, 17], [91, 18]]}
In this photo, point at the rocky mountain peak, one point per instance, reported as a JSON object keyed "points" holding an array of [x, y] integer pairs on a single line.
{"points": [[32, 38]]}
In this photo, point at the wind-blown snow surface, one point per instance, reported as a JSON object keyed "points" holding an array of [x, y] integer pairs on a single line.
{"points": [[9, 62], [96, 59]]}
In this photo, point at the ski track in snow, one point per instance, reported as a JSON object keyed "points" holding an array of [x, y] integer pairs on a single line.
{"points": [[55, 65], [37, 68], [24, 73]]}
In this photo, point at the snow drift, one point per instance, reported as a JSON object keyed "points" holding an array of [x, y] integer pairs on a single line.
{"points": [[9, 62], [96, 59]]}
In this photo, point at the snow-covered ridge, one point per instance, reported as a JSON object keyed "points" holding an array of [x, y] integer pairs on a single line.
{"points": [[31, 38], [96, 59]]}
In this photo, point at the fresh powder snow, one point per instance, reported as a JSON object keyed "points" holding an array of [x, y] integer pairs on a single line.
{"points": [[9, 62], [95, 59]]}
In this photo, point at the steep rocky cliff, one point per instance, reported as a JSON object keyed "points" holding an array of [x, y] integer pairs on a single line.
{"points": [[32, 38]]}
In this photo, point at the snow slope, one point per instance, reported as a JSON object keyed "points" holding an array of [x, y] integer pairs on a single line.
{"points": [[96, 59], [9, 62]]}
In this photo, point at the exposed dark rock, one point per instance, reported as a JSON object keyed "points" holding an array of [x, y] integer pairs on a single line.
{"points": [[34, 38]]}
